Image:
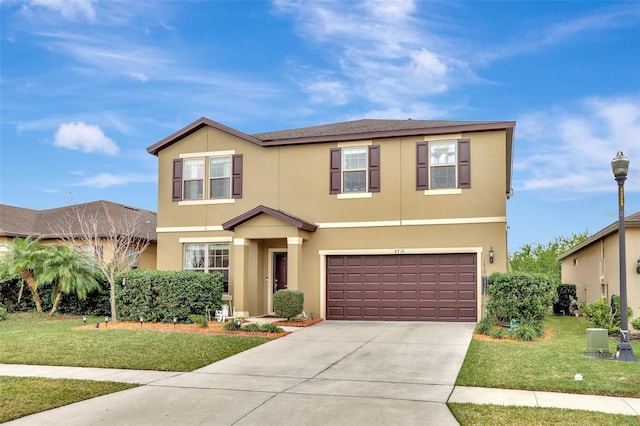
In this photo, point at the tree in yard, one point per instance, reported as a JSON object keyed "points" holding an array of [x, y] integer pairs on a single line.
{"points": [[24, 258], [112, 234], [543, 258], [70, 270]]}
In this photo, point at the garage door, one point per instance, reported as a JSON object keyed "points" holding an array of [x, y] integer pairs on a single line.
{"points": [[418, 287]]}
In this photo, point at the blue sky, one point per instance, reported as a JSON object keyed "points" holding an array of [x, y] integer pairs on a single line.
{"points": [[87, 85]]}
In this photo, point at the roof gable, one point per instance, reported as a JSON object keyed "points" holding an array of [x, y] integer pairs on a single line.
{"points": [[230, 225]]}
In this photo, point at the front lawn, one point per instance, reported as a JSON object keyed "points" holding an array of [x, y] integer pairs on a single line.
{"points": [[42, 340], [550, 364], [491, 415], [22, 396]]}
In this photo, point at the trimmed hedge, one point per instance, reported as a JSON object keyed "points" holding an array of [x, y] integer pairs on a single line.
{"points": [[520, 296], [163, 295], [288, 303]]}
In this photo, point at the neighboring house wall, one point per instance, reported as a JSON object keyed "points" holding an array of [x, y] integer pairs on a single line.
{"points": [[396, 219], [595, 269]]}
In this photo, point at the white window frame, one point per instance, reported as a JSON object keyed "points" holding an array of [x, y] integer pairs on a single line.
{"points": [[438, 164], [354, 150], [185, 179], [228, 177], [207, 268]]}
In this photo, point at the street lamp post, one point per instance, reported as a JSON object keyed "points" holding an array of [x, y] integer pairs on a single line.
{"points": [[624, 352]]}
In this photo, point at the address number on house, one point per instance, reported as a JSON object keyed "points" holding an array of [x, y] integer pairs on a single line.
{"points": [[398, 251]]}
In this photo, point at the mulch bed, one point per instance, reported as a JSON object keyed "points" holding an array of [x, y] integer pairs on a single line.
{"points": [[213, 327]]}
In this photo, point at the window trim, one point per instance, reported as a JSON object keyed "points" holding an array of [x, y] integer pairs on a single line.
{"points": [[199, 179], [235, 178], [463, 167], [207, 269], [372, 171], [228, 177]]}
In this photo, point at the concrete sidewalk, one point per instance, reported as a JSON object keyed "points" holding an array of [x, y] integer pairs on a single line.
{"points": [[473, 395]]}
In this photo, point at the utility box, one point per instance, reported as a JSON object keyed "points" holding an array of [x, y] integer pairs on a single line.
{"points": [[597, 343]]}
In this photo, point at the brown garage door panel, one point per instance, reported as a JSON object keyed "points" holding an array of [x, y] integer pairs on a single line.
{"points": [[425, 287]]}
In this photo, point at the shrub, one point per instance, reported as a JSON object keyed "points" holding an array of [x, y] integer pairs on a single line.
{"points": [[252, 326], [232, 326], [529, 330], [520, 295], [485, 325], [288, 303], [566, 295], [270, 328], [3, 313], [636, 323], [163, 295], [498, 333], [199, 319], [605, 315]]}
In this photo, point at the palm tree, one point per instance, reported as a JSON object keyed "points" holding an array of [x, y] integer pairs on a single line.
{"points": [[70, 271], [24, 258]]}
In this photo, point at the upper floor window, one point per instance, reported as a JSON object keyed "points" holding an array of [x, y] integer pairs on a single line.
{"points": [[193, 178], [354, 169], [442, 162], [208, 258], [443, 165], [220, 177], [224, 178]]}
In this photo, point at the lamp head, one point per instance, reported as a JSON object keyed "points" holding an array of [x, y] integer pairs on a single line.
{"points": [[620, 164], [491, 255]]}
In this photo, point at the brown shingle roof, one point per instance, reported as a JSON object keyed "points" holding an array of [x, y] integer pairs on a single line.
{"points": [[21, 222], [231, 224], [349, 130]]}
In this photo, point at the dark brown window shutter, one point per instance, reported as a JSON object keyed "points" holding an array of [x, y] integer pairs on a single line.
{"points": [[236, 176], [334, 171], [177, 180], [422, 166], [464, 164], [374, 168]]}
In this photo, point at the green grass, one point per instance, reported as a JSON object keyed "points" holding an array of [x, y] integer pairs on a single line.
{"points": [[40, 340], [550, 364], [491, 415], [22, 396]]}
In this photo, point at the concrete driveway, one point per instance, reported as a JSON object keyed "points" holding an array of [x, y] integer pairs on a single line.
{"points": [[338, 373]]}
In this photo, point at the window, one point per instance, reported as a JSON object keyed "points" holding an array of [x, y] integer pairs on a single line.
{"points": [[220, 177], [193, 178], [208, 258], [354, 169], [443, 165], [442, 161], [224, 181]]}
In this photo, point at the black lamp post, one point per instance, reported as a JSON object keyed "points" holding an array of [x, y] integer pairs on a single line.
{"points": [[624, 352]]}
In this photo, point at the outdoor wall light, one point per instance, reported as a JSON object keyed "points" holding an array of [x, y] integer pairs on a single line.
{"points": [[638, 266], [491, 254], [106, 321]]}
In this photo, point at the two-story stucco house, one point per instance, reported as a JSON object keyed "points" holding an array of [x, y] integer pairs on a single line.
{"points": [[370, 219]]}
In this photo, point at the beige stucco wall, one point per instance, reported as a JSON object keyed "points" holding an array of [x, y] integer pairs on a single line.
{"points": [[595, 269], [295, 179]]}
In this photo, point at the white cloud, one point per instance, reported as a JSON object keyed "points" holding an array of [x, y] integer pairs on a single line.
{"points": [[69, 9], [381, 49], [84, 137], [569, 148], [105, 180]]}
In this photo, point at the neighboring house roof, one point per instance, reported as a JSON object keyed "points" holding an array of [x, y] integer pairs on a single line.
{"points": [[631, 221], [279, 214], [21, 222]]}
